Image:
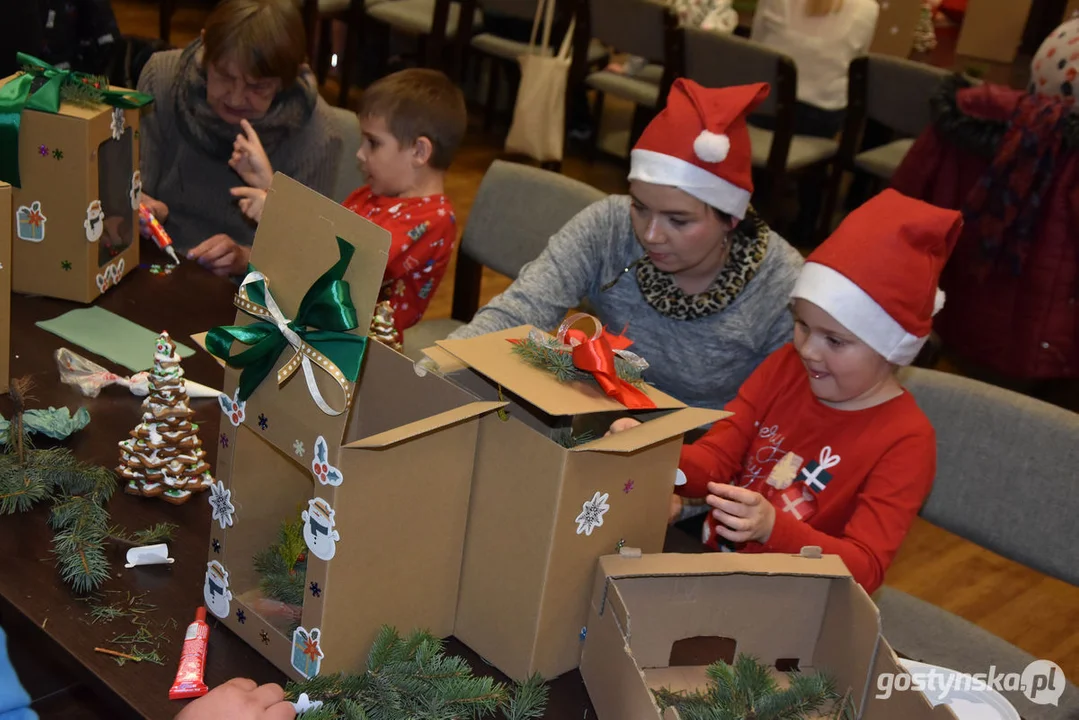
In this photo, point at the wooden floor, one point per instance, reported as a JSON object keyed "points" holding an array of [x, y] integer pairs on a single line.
{"points": [[1038, 614]]}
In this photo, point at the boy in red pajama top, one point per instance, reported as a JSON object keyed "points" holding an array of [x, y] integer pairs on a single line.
{"points": [[825, 447], [413, 122]]}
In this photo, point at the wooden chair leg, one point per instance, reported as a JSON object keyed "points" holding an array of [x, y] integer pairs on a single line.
{"points": [[165, 9], [597, 121], [831, 201], [467, 278], [355, 27], [494, 76], [325, 49]]}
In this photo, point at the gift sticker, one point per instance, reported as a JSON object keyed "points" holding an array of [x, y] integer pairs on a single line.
{"points": [[306, 653], [318, 529], [234, 408], [110, 276], [325, 473], [136, 190], [95, 221], [215, 591], [30, 222]]}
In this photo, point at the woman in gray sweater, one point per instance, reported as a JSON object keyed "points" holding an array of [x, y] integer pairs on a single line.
{"points": [[700, 283], [248, 65]]}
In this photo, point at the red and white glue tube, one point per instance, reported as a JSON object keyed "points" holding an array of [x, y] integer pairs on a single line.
{"points": [[157, 232], [189, 683]]}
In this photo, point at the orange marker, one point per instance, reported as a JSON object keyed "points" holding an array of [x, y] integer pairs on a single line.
{"points": [[189, 682], [157, 232]]}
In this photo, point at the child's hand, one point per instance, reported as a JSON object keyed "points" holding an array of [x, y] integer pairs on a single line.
{"points": [[677, 505], [251, 201], [221, 255], [743, 515], [249, 159], [240, 699], [621, 425]]}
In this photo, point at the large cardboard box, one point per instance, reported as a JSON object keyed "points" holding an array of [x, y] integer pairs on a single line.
{"points": [[993, 29], [382, 488], [542, 513], [5, 285], [76, 228], [658, 621]]}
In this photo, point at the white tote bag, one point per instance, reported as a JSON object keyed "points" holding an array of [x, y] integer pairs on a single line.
{"points": [[539, 116]]}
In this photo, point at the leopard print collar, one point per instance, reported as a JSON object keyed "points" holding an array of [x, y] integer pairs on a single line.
{"points": [[749, 242]]}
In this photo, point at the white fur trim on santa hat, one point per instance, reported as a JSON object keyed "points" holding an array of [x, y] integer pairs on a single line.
{"points": [[854, 309], [938, 302], [711, 147], [661, 169]]}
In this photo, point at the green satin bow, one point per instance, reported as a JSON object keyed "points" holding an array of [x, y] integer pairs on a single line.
{"points": [[326, 309], [17, 95]]}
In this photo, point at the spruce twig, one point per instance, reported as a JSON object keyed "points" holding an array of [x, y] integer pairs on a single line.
{"points": [[282, 567], [548, 354]]}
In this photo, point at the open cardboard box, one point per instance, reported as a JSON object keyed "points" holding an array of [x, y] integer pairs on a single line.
{"points": [[5, 285], [658, 621], [383, 487], [76, 227], [541, 513]]}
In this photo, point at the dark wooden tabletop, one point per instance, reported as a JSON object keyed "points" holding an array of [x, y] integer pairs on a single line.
{"points": [[32, 595]]}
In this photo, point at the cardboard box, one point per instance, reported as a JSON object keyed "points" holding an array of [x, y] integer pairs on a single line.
{"points": [[896, 24], [993, 29], [541, 514], [382, 488], [76, 229], [658, 621], [5, 285]]}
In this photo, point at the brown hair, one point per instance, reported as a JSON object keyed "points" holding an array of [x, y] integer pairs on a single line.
{"points": [[266, 37], [419, 103]]}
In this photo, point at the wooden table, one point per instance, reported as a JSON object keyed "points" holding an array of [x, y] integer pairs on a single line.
{"points": [[39, 611]]}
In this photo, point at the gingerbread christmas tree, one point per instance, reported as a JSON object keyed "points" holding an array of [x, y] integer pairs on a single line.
{"points": [[164, 456]]}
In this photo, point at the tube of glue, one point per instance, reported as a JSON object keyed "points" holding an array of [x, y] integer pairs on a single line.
{"points": [[189, 682], [157, 232]]}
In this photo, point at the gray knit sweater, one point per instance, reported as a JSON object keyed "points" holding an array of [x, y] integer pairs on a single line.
{"points": [[195, 184], [701, 362]]}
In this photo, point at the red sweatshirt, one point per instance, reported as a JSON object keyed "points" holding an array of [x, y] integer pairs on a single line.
{"points": [[850, 482], [423, 230]]}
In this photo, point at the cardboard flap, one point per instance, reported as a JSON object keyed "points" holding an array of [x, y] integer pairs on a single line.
{"points": [[492, 355], [429, 424], [654, 431], [446, 363]]}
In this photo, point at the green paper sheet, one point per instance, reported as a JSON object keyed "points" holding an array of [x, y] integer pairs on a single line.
{"points": [[110, 336]]}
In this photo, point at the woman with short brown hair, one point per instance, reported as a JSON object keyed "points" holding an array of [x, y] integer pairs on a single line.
{"points": [[248, 65]]}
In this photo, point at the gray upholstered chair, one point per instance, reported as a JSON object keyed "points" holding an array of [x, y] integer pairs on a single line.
{"points": [[1006, 480], [717, 60], [516, 211], [349, 174]]}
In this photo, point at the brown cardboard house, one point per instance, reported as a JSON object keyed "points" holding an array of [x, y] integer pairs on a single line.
{"points": [[658, 621], [544, 508], [382, 487], [5, 285], [75, 208]]}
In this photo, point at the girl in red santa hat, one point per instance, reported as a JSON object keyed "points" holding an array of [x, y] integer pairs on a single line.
{"points": [[824, 446], [683, 263]]}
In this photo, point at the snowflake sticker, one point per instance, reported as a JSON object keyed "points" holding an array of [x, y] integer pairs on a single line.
{"points": [[221, 502], [628, 487], [305, 704], [118, 123], [43, 150], [315, 589], [592, 513], [265, 637], [224, 440], [297, 447], [241, 616], [264, 421], [233, 408], [217, 546], [324, 472]]}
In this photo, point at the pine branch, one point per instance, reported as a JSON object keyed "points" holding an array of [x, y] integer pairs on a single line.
{"points": [[566, 438], [529, 700], [20, 487], [282, 567], [551, 356], [159, 533]]}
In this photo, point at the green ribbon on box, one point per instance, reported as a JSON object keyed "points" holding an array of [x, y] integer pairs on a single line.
{"points": [[17, 95], [319, 333]]}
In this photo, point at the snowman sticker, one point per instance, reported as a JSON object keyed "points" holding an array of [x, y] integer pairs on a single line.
{"points": [[95, 221], [215, 591], [318, 530], [136, 190]]}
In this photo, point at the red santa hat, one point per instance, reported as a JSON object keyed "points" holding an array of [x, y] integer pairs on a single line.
{"points": [[877, 274], [699, 143]]}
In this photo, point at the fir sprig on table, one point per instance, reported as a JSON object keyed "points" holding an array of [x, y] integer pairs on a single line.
{"points": [[282, 567], [747, 690], [412, 677], [550, 355]]}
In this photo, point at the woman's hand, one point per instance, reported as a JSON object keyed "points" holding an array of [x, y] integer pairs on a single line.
{"points": [[249, 159], [743, 515], [251, 201], [221, 255], [241, 699], [157, 208]]}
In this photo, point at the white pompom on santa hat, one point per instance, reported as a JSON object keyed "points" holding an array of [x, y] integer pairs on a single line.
{"points": [[699, 143], [877, 274]]}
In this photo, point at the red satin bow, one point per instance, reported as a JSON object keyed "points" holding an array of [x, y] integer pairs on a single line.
{"points": [[596, 356]]}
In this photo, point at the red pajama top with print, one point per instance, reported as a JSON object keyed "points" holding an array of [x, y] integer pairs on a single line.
{"points": [[850, 482], [423, 231]]}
